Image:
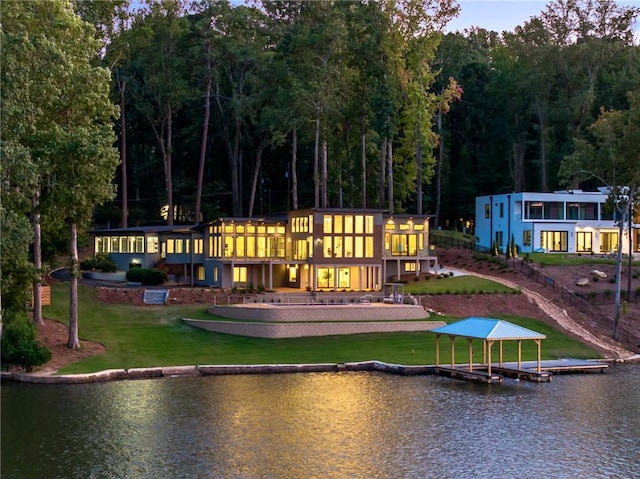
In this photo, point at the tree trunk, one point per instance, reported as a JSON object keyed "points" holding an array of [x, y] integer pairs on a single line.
{"points": [[390, 174], [256, 174], [438, 172], [37, 258], [294, 170], [363, 166], [74, 342], [122, 84], [543, 150], [617, 294], [235, 169], [203, 153], [383, 168], [167, 168], [316, 175], [419, 170], [325, 196]]}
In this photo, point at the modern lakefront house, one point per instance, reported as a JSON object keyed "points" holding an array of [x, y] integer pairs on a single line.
{"points": [[572, 221], [315, 249]]}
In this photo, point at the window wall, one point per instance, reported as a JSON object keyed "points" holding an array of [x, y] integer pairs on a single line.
{"points": [[122, 244], [554, 240], [247, 241], [608, 242], [347, 236], [584, 241]]}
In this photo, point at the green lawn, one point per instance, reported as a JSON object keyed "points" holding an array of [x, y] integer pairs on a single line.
{"points": [[564, 259], [456, 285], [148, 336]]}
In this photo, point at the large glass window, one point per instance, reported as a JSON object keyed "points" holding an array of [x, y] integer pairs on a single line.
{"points": [[152, 244], [533, 210], [344, 281], [608, 242], [337, 246], [326, 278], [337, 224], [228, 246], [368, 243], [300, 249], [239, 274], [327, 247], [240, 242], [348, 246], [554, 240], [348, 224], [553, 210], [607, 211], [327, 224], [583, 241]]}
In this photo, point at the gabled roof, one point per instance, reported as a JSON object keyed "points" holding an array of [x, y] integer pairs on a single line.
{"points": [[487, 328]]}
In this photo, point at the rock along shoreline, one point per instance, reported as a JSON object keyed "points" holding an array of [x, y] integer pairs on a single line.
{"points": [[212, 370]]}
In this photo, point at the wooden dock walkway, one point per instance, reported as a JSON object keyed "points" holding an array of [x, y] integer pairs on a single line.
{"points": [[526, 370], [476, 374]]}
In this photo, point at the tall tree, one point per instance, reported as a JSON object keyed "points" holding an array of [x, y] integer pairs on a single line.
{"points": [[66, 116], [610, 154], [157, 33]]}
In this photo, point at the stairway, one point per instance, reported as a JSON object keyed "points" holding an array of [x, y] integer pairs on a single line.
{"points": [[155, 296]]}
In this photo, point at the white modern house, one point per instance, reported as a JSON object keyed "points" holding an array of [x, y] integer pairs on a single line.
{"points": [[572, 221]]}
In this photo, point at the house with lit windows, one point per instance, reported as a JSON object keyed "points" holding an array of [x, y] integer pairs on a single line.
{"points": [[315, 249], [573, 221]]}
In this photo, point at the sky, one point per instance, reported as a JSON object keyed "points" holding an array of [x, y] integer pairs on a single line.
{"points": [[500, 15], [497, 15]]}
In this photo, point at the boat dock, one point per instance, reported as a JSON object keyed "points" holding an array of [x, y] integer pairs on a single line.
{"points": [[525, 370]]}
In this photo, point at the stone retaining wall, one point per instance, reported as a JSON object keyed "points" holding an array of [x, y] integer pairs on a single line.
{"points": [[297, 330], [321, 312]]}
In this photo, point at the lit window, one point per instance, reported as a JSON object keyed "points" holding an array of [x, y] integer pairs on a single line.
{"points": [[359, 247], [200, 273], [337, 224], [240, 274], [240, 246], [327, 224], [337, 246], [326, 247], [359, 224], [368, 224], [348, 246], [170, 246], [348, 224], [152, 244], [228, 246], [369, 246]]}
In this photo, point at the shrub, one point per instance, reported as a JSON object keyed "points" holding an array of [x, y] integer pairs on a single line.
{"points": [[146, 276], [100, 262], [20, 345]]}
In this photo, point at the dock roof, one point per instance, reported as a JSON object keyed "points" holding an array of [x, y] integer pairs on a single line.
{"points": [[488, 329]]}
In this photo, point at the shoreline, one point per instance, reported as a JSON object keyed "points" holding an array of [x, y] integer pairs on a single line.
{"points": [[220, 370]]}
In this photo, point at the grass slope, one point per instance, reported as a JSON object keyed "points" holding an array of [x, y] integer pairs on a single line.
{"points": [[148, 336]]}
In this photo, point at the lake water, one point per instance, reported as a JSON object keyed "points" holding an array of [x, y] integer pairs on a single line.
{"points": [[325, 425]]}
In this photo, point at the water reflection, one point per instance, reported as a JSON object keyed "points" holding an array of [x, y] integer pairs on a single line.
{"points": [[345, 425]]}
